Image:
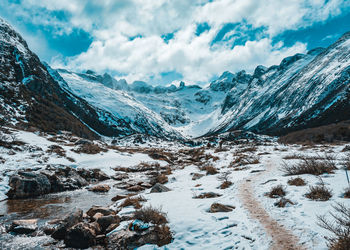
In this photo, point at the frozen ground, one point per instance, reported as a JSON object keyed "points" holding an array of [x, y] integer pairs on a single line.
{"points": [[189, 220]]}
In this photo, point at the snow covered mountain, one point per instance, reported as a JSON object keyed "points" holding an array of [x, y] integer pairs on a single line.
{"points": [[305, 90]]}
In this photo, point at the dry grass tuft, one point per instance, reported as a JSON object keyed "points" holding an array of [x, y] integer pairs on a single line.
{"points": [[89, 149], [310, 166], [277, 191], [151, 215], [319, 192], [347, 193], [211, 170], [133, 201], [339, 226], [296, 182]]}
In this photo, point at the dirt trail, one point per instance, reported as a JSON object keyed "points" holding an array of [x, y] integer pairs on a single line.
{"points": [[282, 238]]}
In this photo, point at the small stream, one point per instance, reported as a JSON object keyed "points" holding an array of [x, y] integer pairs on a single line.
{"points": [[48, 207]]}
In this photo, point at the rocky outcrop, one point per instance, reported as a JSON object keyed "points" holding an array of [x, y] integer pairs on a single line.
{"points": [[26, 184], [23, 226], [159, 188]]}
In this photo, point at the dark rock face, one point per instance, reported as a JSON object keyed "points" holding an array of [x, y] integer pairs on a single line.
{"points": [[28, 184], [24, 226], [128, 239], [159, 188], [82, 235], [52, 179], [70, 220]]}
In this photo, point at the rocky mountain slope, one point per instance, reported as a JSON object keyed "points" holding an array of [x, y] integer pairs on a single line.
{"points": [[34, 96]]}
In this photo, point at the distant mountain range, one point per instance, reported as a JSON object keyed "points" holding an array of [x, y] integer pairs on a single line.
{"points": [[305, 90]]}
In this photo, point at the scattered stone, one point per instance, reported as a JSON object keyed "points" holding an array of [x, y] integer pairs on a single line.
{"points": [[127, 239], [283, 202], [81, 235], [70, 220], [207, 195], [217, 207], [197, 176], [28, 184], [24, 226], [135, 188], [106, 221], [119, 197], [159, 188], [103, 188], [146, 185], [98, 209]]}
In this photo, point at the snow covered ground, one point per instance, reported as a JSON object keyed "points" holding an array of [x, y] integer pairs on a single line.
{"points": [[193, 226]]}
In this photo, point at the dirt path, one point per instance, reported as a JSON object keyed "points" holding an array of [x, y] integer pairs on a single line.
{"points": [[281, 237]]}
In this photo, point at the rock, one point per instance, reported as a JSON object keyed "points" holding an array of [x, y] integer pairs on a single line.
{"points": [[98, 209], [83, 142], [28, 184], [111, 227], [135, 188], [118, 197], [81, 235], [63, 178], [120, 177], [97, 216], [159, 188], [106, 221], [103, 188], [127, 239], [197, 176], [70, 220], [207, 195], [217, 208], [93, 175], [24, 226], [146, 185], [283, 202]]}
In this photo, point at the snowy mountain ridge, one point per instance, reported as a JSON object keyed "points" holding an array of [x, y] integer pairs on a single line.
{"points": [[274, 100]]}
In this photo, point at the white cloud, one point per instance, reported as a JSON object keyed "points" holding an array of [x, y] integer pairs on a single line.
{"points": [[112, 23]]}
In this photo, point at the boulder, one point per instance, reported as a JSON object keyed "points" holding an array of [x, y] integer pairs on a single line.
{"points": [[159, 188], [105, 221], [135, 188], [197, 176], [69, 220], [103, 188], [217, 207], [24, 226], [98, 209], [81, 235], [119, 197], [28, 184], [127, 239]]}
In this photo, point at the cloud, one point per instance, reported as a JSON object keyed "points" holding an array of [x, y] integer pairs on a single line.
{"points": [[199, 39]]}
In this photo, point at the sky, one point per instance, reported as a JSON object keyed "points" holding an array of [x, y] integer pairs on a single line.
{"points": [[161, 41]]}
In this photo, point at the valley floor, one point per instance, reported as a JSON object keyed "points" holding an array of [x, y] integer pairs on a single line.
{"points": [[250, 170]]}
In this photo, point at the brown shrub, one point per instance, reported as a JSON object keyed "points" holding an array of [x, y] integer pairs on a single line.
{"points": [[309, 166], [162, 179], [226, 184], [57, 150], [296, 182], [328, 133], [277, 191], [283, 202], [151, 215], [89, 149], [319, 192], [211, 170], [242, 160], [339, 226], [164, 235], [133, 201]]}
